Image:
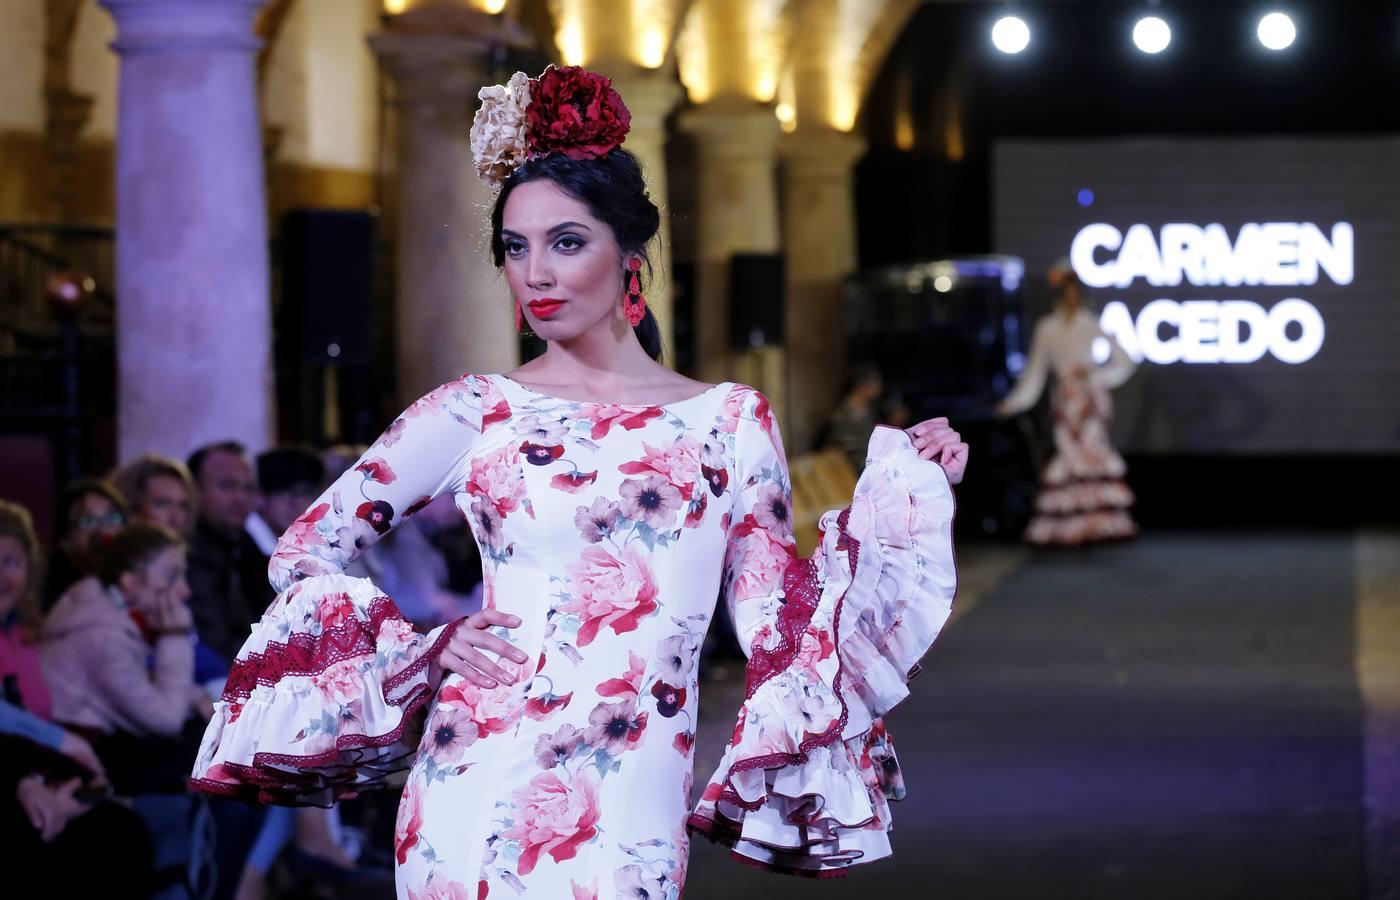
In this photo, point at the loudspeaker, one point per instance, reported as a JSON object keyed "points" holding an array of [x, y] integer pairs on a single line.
{"points": [[327, 258], [755, 300]]}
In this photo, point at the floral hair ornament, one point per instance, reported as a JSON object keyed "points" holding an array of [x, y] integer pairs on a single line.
{"points": [[567, 110]]}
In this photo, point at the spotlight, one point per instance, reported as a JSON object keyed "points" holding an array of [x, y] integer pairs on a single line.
{"points": [[1276, 31], [1010, 34], [1151, 34]]}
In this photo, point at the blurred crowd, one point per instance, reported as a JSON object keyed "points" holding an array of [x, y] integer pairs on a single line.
{"points": [[115, 639]]}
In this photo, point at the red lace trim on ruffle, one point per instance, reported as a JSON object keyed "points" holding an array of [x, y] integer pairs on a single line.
{"points": [[308, 654], [262, 783], [801, 580], [727, 833]]}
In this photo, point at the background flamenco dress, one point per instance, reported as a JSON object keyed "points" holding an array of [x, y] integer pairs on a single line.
{"points": [[610, 530], [1083, 496]]}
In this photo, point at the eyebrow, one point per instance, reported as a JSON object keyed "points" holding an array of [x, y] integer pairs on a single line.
{"points": [[562, 226]]}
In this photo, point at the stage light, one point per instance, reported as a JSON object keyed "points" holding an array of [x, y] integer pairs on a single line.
{"points": [[1276, 31], [1010, 34], [1151, 34]]}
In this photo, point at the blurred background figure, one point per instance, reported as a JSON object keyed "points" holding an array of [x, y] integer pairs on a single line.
{"points": [[157, 489], [227, 571], [89, 512], [289, 479], [1083, 497]]}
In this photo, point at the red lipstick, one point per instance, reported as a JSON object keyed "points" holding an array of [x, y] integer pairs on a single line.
{"points": [[544, 307]]}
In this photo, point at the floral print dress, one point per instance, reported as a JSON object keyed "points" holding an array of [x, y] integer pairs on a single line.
{"points": [[611, 531]]}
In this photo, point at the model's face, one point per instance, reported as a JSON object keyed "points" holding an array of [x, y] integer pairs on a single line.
{"points": [[563, 265], [165, 502]]}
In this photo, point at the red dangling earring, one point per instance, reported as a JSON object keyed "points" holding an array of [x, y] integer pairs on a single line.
{"points": [[635, 305], [517, 316]]}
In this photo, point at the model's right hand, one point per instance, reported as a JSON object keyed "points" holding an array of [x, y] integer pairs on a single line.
{"points": [[463, 653]]}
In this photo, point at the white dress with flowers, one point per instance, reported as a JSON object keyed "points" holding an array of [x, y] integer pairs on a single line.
{"points": [[610, 531]]}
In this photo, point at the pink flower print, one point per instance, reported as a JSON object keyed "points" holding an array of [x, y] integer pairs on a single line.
{"points": [[604, 417], [376, 469], [756, 568], [584, 893], [731, 410], [678, 463], [496, 476], [487, 520], [540, 431], [772, 509], [489, 710], [395, 634], [555, 749], [541, 454], [378, 513], [675, 660], [669, 700], [335, 610], [441, 889], [597, 522], [615, 727], [696, 515], [450, 732], [573, 482], [302, 535], [407, 823], [610, 591], [630, 684], [652, 500], [816, 646], [340, 682], [634, 884], [684, 742], [555, 817], [494, 407]]}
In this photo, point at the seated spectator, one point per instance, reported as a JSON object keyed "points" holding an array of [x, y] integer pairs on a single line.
{"points": [[103, 630], [228, 573], [289, 479], [157, 489], [89, 511]]}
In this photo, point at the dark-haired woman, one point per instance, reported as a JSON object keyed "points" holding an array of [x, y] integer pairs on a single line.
{"points": [[613, 501]]}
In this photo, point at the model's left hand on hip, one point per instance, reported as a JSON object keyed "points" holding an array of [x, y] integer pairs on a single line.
{"points": [[935, 439]]}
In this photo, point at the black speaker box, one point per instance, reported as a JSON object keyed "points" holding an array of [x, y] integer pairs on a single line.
{"points": [[327, 258], [755, 300]]}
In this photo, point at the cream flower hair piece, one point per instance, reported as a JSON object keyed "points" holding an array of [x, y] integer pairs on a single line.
{"points": [[498, 138]]}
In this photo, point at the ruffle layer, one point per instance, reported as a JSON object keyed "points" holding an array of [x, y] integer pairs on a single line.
{"points": [[1084, 497], [1073, 530], [804, 785], [320, 703]]}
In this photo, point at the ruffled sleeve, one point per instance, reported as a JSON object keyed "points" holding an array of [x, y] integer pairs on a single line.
{"points": [[320, 702], [805, 782]]}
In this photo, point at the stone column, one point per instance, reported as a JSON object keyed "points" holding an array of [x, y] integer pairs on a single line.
{"points": [[819, 240], [737, 212], [650, 96], [193, 318], [454, 310]]}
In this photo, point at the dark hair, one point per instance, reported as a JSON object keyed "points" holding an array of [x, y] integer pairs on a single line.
{"points": [[613, 189], [133, 547], [15, 523], [284, 469], [77, 490], [197, 458]]}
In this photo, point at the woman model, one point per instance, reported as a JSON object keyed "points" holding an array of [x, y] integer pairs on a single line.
{"points": [[1083, 497], [613, 501]]}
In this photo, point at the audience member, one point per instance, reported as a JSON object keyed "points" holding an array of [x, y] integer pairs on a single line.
{"points": [[89, 511]]}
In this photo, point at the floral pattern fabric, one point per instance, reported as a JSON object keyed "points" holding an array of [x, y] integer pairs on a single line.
{"points": [[610, 530]]}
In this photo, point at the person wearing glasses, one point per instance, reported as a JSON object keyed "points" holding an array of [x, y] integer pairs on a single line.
{"points": [[90, 511]]}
